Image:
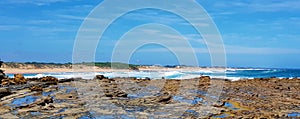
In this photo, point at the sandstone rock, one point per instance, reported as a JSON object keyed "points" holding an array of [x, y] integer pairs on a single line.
{"points": [[146, 101], [19, 79], [36, 88], [44, 101], [19, 76], [49, 79], [171, 86], [205, 78], [2, 75], [66, 80], [5, 82], [9, 116], [4, 109], [4, 92], [116, 93], [100, 77], [65, 96], [166, 97]]}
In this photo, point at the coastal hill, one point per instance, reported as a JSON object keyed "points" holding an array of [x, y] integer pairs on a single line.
{"points": [[35, 65], [39, 65]]}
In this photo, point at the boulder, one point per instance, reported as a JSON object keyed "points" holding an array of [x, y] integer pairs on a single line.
{"points": [[2, 75], [67, 80], [115, 93], [49, 79], [19, 79], [1, 62], [36, 88], [4, 92], [100, 77], [205, 78]]}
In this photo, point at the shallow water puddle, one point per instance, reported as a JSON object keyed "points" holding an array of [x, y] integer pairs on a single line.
{"points": [[139, 95], [234, 106], [108, 117], [67, 89], [223, 115], [294, 114], [231, 106], [35, 113], [194, 101], [24, 101], [200, 92], [191, 113], [61, 110], [48, 93]]}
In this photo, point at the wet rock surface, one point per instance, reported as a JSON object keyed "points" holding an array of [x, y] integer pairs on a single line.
{"points": [[2, 74], [102, 97], [4, 92], [263, 97]]}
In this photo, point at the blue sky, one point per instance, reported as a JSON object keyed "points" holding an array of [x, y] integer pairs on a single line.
{"points": [[255, 33]]}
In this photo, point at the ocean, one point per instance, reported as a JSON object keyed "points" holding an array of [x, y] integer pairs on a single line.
{"points": [[231, 74]]}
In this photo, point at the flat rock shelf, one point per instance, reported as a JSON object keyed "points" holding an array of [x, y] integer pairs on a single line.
{"points": [[131, 98]]}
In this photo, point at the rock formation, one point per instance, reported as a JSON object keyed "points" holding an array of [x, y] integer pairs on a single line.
{"points": [[18, 79], [2, 74]]}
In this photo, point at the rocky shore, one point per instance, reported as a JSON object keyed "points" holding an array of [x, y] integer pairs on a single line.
{"points": [[102, 97]]}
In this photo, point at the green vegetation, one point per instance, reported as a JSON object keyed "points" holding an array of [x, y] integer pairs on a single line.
{"points": [[115, 65]]}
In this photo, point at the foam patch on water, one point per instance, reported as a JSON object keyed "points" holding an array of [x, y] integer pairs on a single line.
{"points": [[231, 74]]}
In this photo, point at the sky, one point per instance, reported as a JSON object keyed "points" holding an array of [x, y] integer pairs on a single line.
{"points": [[255, 33]]}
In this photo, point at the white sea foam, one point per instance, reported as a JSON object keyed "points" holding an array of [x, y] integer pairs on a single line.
{"points": [[144, 74], [246, 69], [233, 74]]}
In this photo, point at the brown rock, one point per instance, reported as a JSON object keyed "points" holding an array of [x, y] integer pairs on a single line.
{"points": [[49, 79], [205, 78], [2, 75], [117, 93], [36, 88], [9, 116], [4, 83], [164, 98], [19, 79], [45, 101], [4, 92], [100, 77], [19, 76]]}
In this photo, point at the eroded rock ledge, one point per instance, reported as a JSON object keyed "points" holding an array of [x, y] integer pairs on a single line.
{"points": [[102, 97]]}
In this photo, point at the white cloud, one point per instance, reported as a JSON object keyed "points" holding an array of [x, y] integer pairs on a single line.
{"points": [[35, 2], [259, 50], [164, 18], [199, 45], [72, 17], [8, 27], [260, 6], [230, 50]]}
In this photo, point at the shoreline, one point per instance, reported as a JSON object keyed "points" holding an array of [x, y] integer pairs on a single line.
{"points": [[97, 69], [160, 72]]}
